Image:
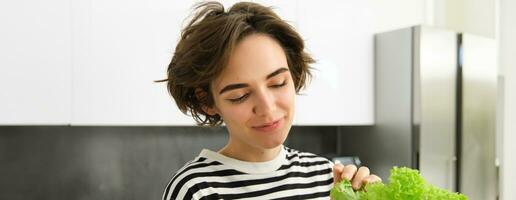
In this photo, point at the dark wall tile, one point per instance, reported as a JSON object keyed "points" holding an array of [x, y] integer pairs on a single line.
{"points": [[61, 162]]}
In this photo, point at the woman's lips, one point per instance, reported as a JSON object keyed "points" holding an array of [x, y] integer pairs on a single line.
{"points": [[269, 126]]}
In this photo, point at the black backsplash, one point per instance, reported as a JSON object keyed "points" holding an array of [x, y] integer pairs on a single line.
{"points": [[62, 162]]}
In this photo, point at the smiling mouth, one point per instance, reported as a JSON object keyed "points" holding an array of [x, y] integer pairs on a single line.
{"points": [[269, 126]]}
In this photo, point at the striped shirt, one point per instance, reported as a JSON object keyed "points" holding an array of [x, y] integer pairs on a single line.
{"points": [[291, 175]]}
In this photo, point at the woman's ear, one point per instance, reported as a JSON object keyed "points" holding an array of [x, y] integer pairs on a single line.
{"points": [[209, 110], [201, 95]]}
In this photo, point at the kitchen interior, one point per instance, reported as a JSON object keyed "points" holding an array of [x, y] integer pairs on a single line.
{"points": [[427, 84]]}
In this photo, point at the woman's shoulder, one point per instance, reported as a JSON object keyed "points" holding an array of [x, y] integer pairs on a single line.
{"points": [[180, 177], [183, 178], [191, 177]]}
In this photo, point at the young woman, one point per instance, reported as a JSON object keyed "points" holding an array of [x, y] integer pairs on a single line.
{"points": [[243, 67]]}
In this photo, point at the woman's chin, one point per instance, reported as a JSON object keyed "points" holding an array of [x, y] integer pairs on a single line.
{"points": [[274, 143]]}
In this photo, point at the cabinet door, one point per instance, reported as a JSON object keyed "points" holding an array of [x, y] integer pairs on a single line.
{"points": [[35, 62], [339, 35], [119, 48]]}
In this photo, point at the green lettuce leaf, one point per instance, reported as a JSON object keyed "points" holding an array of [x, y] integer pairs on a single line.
{"points": [[344, 191], [404, 184]]}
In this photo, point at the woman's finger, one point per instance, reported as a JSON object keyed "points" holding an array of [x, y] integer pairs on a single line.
{"points": [[359, 177], [371, 179], [348, 172], [337, 171]]}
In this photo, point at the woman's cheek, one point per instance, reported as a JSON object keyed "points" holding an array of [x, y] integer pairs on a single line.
{"points": [[287, 96], [238, 112]]}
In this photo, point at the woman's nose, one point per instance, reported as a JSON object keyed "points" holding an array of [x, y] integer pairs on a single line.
{"points": [[264, 104]]}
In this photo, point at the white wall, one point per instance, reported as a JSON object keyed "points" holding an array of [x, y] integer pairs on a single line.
{"points": [[492, 18], [507, 49], [472, 16]]}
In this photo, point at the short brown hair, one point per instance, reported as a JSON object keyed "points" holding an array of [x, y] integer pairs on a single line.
{"points": [[209, 39]]}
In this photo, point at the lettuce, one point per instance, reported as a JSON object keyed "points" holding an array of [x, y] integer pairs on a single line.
{"points": [[344, 191], [404, 184]]}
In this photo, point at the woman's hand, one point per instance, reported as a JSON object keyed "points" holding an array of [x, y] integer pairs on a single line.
{"points": [[358, 177]]}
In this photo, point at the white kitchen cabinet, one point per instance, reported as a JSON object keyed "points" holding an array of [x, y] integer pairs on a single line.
{"points": [[119, 48], [339, 35], [94, 62], [35, 62]]}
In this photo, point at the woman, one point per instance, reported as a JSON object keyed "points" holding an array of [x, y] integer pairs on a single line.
{"points": [[243, 68]]}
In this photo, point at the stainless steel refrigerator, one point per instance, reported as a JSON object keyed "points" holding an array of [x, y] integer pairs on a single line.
{"points": [[435, 103]]}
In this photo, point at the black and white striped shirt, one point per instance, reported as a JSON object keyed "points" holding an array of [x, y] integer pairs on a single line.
{"points": [[291, 175]]}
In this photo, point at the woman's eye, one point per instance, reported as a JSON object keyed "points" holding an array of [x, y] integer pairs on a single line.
{"points": [[279, 85], [239, 99]]}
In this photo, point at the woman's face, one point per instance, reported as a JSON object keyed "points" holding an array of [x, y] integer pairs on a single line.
{"points": [[255, 94]]}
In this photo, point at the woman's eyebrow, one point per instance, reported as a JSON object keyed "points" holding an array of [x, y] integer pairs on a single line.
{"points": [[279, 71], [243, 85], [233, 87]]}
